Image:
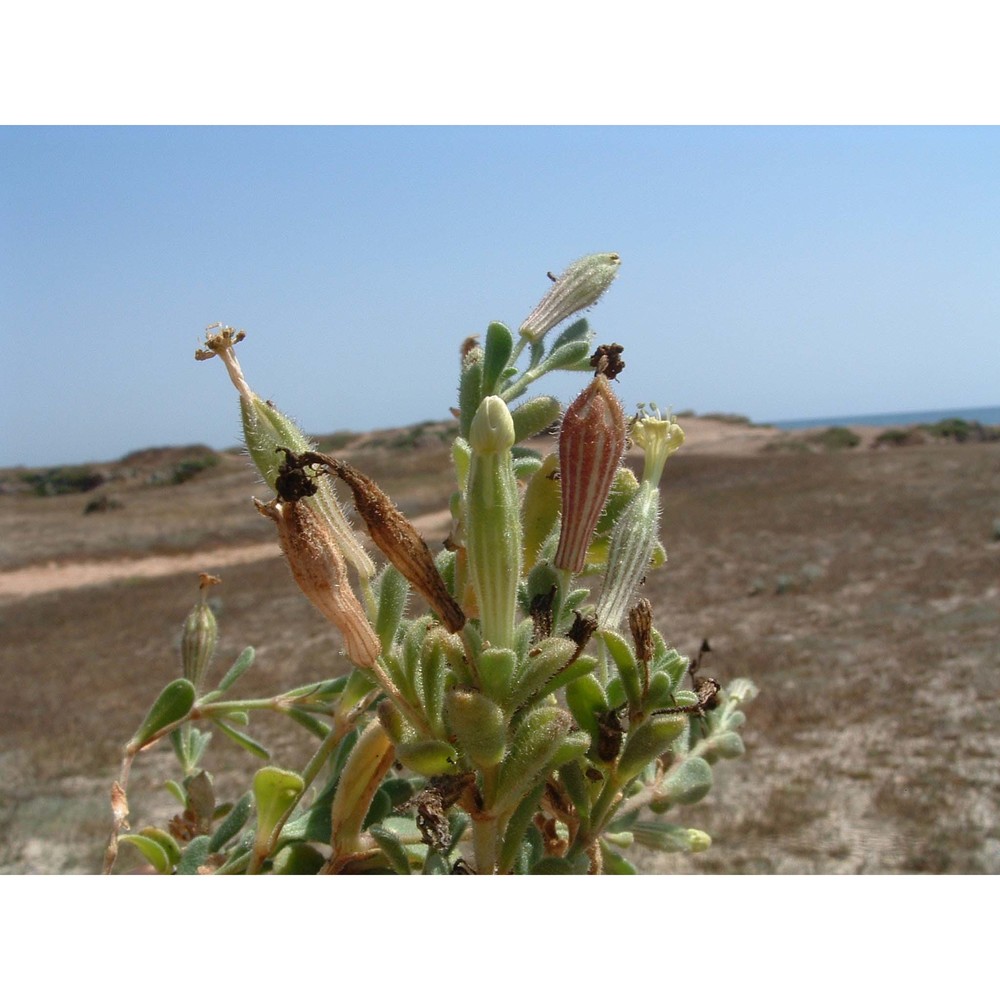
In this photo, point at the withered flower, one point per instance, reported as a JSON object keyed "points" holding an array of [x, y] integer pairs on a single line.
{"points": [[401, 543], [320, 571], [268, 432]]}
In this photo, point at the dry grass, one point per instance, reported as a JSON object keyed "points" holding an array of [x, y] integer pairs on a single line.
{"points": [[859, 589]]}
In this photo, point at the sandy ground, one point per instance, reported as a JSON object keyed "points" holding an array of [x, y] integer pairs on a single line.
{"points": [[54, 576]]}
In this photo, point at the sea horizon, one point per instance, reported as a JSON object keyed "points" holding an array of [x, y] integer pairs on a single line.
{"points": [[983, 414]]}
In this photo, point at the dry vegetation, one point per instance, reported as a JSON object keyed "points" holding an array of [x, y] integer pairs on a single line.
{"points": [[858, 587]]}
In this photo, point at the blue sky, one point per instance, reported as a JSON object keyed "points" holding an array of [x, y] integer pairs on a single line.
{"points": [[779, 272]]}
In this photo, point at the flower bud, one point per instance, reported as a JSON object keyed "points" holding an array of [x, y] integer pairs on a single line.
{"points": [[493, 522], [320, 571], [200, 636], [591, 443], [492, 430], [577, 288]]}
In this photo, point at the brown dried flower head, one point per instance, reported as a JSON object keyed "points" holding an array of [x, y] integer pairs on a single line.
{"points": [[321, 572]]}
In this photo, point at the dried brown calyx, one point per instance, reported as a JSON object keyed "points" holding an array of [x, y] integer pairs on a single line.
{"points": [[399, 541], [320, 571]]}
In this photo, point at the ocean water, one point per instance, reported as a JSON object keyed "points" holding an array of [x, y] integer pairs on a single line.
{"points": [[984, 414]]}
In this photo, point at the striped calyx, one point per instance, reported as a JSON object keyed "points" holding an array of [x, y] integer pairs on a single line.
{"points": [[577, 288], [591, 443]]}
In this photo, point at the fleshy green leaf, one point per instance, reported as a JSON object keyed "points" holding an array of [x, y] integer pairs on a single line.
{"points": [[242, 664], [173, 703], [562, 866], [428, 757], [309, 721], [176, 791], [614, 864], [725, 746], [534, 415], [496, 670], [580, 667], [479, 726], [585, 698], [150, 849], [628, 668], [393, 590], [275, 790], [434, 864], [170, 846], [241, 739], [534, 746], [670, 838], [392, 848], [380, 808], [234, 822], [647, 742], [540, 666], [689, 782], [496, 354], [297, 859], [194, 856]]}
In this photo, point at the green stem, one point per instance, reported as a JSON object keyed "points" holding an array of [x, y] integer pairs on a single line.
{"points": [[236, 865], [518, 348], [603, 809], [486, 827], [518, 387], [485, 833], [247, 705]]}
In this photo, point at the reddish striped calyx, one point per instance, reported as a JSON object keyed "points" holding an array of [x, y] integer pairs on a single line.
{"points": [[591, 443]]}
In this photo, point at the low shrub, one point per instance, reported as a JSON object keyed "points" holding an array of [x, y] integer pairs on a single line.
{"points": [[835, 438]]}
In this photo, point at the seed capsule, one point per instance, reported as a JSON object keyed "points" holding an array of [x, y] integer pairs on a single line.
{"points": [[591, 443], [200, 636]]}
